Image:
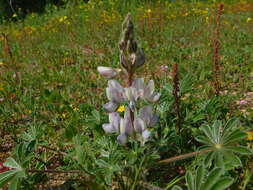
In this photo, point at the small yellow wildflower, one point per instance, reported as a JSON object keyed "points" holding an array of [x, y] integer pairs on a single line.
{"points": [[64, 115], [1, 63], [121, 109], [250, 136], [149, 11], [29, 111], [14, 15], [249, 19]]}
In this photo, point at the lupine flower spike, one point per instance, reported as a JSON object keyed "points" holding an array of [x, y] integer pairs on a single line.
{"points": [[135, 120]]}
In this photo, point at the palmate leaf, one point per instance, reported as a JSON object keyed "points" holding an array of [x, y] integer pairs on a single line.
{"points": [[204, 180], [12, 175], [222, 141]]}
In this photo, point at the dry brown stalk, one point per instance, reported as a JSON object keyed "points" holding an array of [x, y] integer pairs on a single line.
{"points": [[6, 47]]}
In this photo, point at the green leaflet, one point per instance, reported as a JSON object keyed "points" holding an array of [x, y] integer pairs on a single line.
{"points": [[200, 174], [213, 177], [223, 183], [189, 181]]}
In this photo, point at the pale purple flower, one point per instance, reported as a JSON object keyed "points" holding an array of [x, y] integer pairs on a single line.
{"points": [[138, 89], [139, 124], [149, 92], [146, 114], [164, 67], [114, 125], [110, 107], [115, 92], [243, 102], [127, 126], [122, 139], [145, 135]]}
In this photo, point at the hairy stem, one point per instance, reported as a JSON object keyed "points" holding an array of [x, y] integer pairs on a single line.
{"points": [[176, 94]]}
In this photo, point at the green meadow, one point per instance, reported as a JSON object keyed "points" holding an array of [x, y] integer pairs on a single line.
{"points": [[52, 96]]}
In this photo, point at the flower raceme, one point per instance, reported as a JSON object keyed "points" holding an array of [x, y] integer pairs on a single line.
{"points": [[135, 120]]}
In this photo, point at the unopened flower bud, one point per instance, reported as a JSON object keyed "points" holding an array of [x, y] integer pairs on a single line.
{"points": [[140, 59]]}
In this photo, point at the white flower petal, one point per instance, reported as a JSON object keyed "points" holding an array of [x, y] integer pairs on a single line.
{"points": [[122, 139], [128, 125], [110, 107], [122, 126], [146, 135], [146, 114], [149, 89], [139, 125], [114, 119], [114, 84], [138, 86], [154, 97], [108, 128], [115, 92], [107, 72]]}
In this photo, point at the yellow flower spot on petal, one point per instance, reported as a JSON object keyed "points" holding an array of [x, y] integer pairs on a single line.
{"points": [[121, 109]]}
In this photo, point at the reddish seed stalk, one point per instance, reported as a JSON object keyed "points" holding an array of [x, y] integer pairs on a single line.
{"points": [[176, 95], [216, 47], [184, 156]]}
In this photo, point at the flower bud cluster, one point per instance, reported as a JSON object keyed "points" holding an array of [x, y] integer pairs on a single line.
{"points": [[135, 121]]}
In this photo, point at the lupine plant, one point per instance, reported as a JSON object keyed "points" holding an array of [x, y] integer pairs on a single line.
{"points": [[136, 96]]}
